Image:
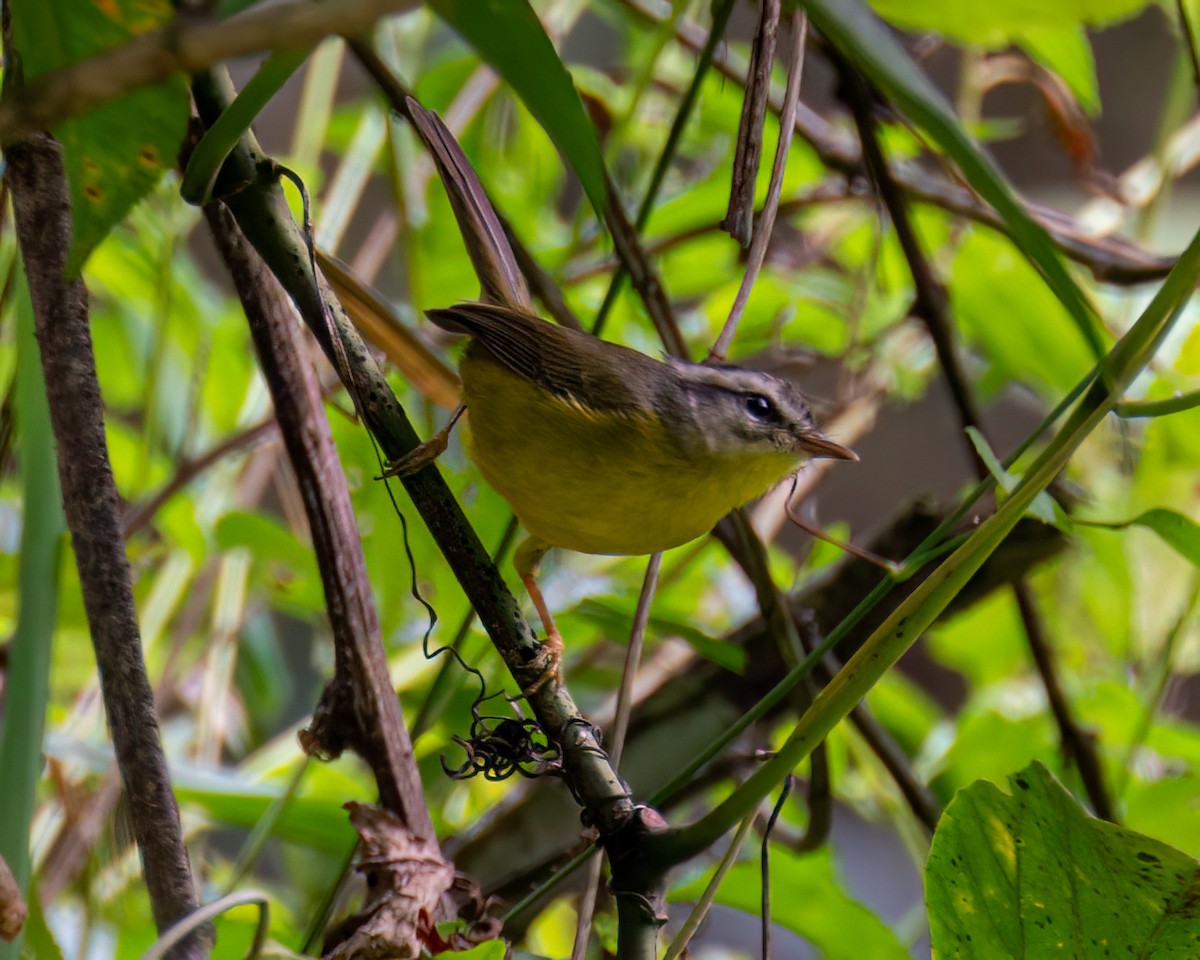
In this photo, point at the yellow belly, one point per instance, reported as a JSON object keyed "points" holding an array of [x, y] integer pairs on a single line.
{"points": [[600, 482]]}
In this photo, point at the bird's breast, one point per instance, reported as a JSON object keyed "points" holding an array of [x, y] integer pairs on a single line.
{"points": [[600, 481]]}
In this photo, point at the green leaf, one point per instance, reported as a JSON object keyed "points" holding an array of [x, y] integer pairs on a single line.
{"points": [[509, 36], [310, 821], [1043, 507], [1015, 321], [1177, 530], [27, 681], [488, 950], [264, 536], [864, 40], [39, 939], [1029, 874], [1166, 809], [205, 162], [810, 901], [281, 560], [989, 745], [115, 154], [997, 24]]}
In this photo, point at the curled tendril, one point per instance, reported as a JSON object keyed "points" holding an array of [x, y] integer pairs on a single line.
{"points": [[501, 746]]}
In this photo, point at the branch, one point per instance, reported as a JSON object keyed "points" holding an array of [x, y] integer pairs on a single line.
{"points": [[359, 707], [1110, 260], [186, 45], [91, 504], [252, 194]]}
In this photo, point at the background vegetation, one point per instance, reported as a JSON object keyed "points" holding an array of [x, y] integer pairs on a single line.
{"points": [[941, 322]]}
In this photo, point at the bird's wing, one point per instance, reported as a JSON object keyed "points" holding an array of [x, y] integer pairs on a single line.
{"points": [[572, 365]]}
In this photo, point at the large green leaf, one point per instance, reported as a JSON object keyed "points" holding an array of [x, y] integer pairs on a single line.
{"points": [[311, 821], [509, 36], [866, 42], [114, 154], [27, 685], [996, 24], [1028, 874]]}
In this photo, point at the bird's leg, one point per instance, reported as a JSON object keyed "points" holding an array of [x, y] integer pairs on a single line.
{"points": [[526, 560], [424, 454]]}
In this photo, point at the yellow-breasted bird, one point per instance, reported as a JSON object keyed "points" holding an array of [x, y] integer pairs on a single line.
{"points": [[602, 449]]}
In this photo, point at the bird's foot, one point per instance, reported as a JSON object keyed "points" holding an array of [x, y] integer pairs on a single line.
{"points": [[552, 647], [422, 455]]}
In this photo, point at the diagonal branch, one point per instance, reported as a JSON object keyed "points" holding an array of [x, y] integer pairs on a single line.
{"points": [[251, 191], [359, 708]]}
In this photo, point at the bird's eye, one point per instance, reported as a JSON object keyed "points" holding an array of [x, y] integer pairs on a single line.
{"points": [[758, 406]]}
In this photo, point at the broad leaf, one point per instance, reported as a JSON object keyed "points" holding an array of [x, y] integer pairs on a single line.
{"points": [[114, 154], [997, 24], [1028, 874]]}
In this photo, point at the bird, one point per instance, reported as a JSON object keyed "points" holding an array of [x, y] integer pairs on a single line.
{"points": [[601, 449]]}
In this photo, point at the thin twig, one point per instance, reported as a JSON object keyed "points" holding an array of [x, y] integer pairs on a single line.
{"points": [[1110, 260], [633, 657], [1132, 409], [739, 216], [930, 296], [691, 926], [138, 515], [1077, 744], [683, 113], [765, 866], [765, 225]]}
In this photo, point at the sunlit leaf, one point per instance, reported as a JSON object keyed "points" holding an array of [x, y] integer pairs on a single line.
{"points": [[116, 153], [1067, 51], [1026, 873], [995, 24]]}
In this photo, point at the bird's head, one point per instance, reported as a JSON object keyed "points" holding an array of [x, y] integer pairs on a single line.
{"points": [[738, 411]]}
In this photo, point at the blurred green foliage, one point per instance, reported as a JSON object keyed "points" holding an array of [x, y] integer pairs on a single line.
{"points": [[224, 565]]}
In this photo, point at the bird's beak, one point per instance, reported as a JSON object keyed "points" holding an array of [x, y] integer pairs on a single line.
{"points": [[818, 445]]}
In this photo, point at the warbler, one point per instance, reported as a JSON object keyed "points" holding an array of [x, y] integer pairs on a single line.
{"points": [[601, 449]]}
